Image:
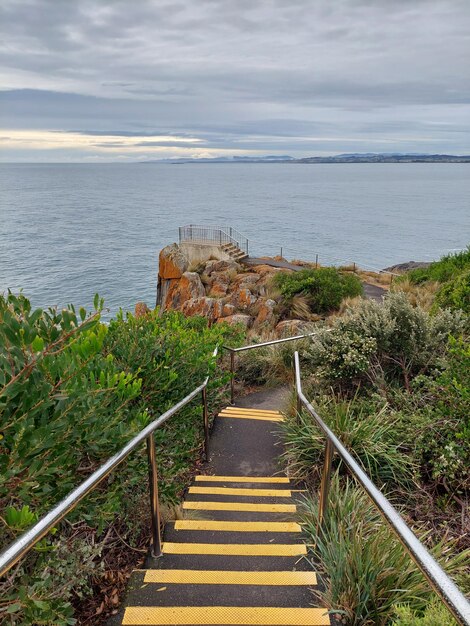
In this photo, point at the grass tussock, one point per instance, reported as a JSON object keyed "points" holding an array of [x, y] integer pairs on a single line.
{"points": [[367, 571], [419, 295]]}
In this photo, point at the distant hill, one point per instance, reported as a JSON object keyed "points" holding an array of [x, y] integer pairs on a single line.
{"points": [[369, 157]]}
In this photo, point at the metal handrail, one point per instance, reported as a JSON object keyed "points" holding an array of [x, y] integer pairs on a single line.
{"points": [[233, 351], [218, 235], [446, 589], [21, 546]]}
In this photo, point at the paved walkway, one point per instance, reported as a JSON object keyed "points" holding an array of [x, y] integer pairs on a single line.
{"points": [[370, 291], [237, 556]]}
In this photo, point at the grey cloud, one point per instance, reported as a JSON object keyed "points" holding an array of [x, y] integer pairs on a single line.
{"points": [[300, 74]]}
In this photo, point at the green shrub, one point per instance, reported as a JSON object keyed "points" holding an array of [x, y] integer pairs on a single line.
{"points": [[455, 294], [73, 391], [435, 614], [443, 270], [368, 572], [383, 343], [444, 446], [369, 435], [323, 288]]}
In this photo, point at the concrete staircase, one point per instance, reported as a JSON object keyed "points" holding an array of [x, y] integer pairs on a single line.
{"points": [[234, 251], [237, 556]]}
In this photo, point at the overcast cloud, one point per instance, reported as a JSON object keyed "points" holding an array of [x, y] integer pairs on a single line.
{"points": [[99, 80]]}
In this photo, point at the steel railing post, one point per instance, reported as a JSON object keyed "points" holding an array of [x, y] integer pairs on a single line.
{"points": [[325, 482], [156, 549], [205, 416], [232, 379]]}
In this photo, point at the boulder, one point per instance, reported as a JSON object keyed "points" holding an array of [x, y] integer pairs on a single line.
{"points": [[207, 307], [221, 266], [238, 318], [218, 284], [171, 262], [228, 309], [187, 288], [141, 309], [266, 314], [243, 299], [268, 269]]}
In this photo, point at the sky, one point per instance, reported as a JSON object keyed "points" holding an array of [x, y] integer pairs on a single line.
{"points": [[131, 80]]}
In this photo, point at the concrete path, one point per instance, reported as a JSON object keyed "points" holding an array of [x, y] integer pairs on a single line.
{"points": [[372, 292], [237, 556]]}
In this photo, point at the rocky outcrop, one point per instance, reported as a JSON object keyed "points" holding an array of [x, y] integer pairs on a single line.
{"points": [[289, 328], [171, 262], [221, 290]]}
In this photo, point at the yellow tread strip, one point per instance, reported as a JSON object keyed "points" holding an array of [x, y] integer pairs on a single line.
{"points": [[251, 417], [234, 491], [249, 409], [235, 549], [217, 577], [251, 412], [242, 479], [243, 527], [240, 506], [212, 615]]}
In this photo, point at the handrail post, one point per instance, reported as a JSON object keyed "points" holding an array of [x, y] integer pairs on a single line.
{"points": [[232, 379], [205, 416], [325, 482], [156, 548]]}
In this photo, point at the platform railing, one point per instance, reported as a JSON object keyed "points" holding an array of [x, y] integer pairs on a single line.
{"points": [[21, 546], [213, 235], [445, 588]]}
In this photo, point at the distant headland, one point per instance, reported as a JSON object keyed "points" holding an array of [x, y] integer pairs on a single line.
{"points": [[368, 157]]}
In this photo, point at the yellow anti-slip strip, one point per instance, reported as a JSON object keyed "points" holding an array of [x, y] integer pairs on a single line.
{"points": [[243, 527], [240, 506], [202, 615], [235, 549], [261, 418], [242, 479], [233, 491], [240, 409], [217, 577]]}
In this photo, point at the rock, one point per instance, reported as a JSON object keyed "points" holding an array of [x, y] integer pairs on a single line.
{"points": [[290, 328], [171, 262], [218, 284], [221, 266], [243, 299], [187, 288], [266, 313], [238, 318], [141, 309], [228, 309], [268, 269], [406, 267], [207, 307]]}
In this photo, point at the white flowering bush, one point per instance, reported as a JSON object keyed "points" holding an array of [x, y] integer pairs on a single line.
{"points": [[393, 341]]}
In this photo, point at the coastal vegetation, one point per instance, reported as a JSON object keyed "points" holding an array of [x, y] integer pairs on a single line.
{"points": [[73, 391], [392, 381]]}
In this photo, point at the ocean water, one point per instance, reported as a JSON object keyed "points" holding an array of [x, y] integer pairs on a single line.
{"points": [[68, 231]]}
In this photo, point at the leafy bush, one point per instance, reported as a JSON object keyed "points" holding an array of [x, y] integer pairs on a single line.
{"points": [[445, 445], [323, 288], [72, 392], [443, 270], [455, 294], [383, 343], [435, 614], [369, 436], [368, 572]]}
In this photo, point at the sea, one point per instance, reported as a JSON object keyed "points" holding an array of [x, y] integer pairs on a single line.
{"points": [[68, 231]]}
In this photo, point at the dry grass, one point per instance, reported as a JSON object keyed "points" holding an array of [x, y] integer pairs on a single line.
{"points": [[419, 295]]}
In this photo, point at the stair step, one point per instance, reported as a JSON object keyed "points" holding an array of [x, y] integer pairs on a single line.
{"points": [[240, 506], [247, 416], [239, 527], [228, 615], [232, 491], [235, 549], [242, 479], [229, 577]]}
